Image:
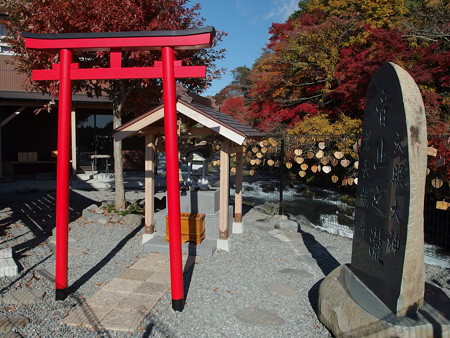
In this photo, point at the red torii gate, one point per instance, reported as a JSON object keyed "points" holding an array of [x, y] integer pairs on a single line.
{"points": [[168, 70]]}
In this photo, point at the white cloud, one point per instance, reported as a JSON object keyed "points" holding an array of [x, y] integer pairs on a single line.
{"points": [[281, 10]]}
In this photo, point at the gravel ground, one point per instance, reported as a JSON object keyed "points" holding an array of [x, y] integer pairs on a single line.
{"points": [[266, 286]]}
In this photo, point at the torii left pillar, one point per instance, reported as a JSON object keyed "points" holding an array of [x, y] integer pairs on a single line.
{"points": [[168, 70]]}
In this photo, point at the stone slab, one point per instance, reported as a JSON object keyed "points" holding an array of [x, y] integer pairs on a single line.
{"points": [[137, 302], [8, 267], [122, 285], [105, 298], [206, 248], [87, 316], [122, 320], [348, 308], [282, 289], [152, 289], [6, 253], [136, 274], [23, 297], [8, 323]]}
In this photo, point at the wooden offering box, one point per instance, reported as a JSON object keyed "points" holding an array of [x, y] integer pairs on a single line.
{"points": [[192, 227]]}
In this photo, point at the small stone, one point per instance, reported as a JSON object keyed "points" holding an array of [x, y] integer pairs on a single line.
{"points": [[23, 297], [76, 251], [286, 225], [133, 219], [9, 323], [103, 220], [282, 289], [282, 238], [258, 317]]}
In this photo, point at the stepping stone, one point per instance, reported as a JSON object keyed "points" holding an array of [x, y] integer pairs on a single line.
{"points": [[269, 239], [133, 219], [11, 334], [136, 274], [286, 224], [8, 267], [306, 259], [260, 317], [8, 323], [282, 289], [76, 251], [5, 253], [23, 297], [296, 272], [44, 273], [282, 238]]}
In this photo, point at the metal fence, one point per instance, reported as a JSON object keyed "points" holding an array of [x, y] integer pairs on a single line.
{"points": [[314, 178]]}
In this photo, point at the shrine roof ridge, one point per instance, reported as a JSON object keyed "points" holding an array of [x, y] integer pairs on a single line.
{"points": [[133, 34]]}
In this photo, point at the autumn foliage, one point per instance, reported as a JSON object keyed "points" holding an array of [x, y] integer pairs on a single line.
{"points": [[321, 60]]}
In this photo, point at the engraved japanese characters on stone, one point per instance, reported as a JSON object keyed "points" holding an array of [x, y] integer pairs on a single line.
{"points": [[362, 224], [363, 196], [366, 140], [394, 215], [365, 169], [382, 107], [397, 175], [376, 200], [393, 242], [376, 245], [398, 144], [381, 155]]}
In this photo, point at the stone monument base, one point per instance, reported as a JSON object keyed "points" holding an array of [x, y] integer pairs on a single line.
{"points": [[349, 309]]}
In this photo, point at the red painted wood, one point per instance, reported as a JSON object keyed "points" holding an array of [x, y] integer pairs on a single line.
{"points": [[62, 168], [197, 41], [115, 58], [119, 73], [173, 185], [169, 69]]}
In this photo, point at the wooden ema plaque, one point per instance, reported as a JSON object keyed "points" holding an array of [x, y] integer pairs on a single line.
{"points": [[192, 227]]}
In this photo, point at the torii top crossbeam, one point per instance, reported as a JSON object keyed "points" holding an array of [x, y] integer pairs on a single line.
{"points": [[147, 40], [168, 70]]}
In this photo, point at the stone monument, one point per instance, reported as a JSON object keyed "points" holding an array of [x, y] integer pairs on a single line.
{"points": [[382, 292]]}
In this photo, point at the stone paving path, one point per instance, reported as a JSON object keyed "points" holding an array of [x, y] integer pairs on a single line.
{"points": [[123, 303]]}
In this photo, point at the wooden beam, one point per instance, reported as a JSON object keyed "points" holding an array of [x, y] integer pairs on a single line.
{"points": [[238, 187], [235, 150], [200, 131], [224, 188], [10, 117], [149, 184], [138, 125]]}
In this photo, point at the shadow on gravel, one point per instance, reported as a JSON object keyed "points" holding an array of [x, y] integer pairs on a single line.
{"points": [[88, 275], [36, 211], [324, 259], [189, 268], [313, 295], [156, 326]]}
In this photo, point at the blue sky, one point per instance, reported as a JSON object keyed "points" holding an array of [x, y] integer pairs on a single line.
{"points": [[247, 23]]}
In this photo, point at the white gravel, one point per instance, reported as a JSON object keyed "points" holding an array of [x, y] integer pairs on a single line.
{"points": [[266, 286]]}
